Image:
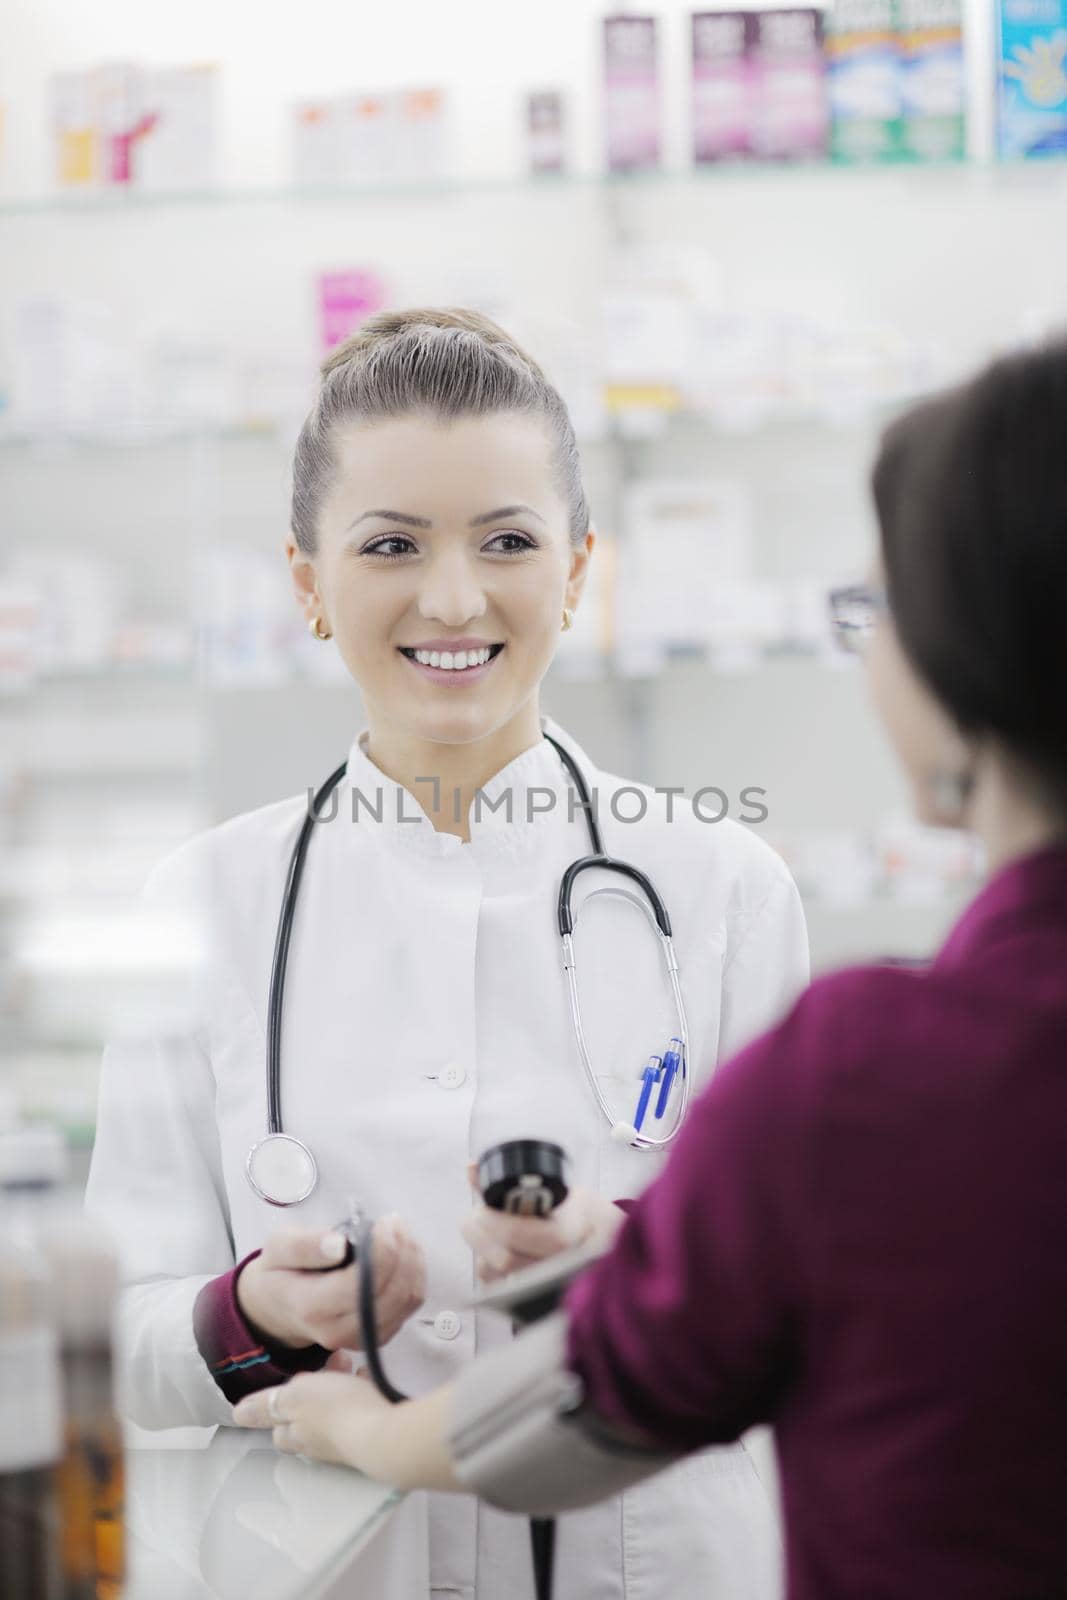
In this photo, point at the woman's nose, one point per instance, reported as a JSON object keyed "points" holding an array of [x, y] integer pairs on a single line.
{"points": [[451, 592]]}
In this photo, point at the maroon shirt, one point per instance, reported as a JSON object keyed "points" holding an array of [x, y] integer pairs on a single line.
{"points": [[862, 1239]]}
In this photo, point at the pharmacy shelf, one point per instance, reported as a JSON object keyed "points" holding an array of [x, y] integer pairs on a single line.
{"points": [[106, 680], [137, 434], [634, 426], [988, 174]]}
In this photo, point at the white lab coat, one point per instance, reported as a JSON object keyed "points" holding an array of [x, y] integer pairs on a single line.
{"points": [[426, 1018]]}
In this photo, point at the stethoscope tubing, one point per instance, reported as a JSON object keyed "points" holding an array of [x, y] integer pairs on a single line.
{"points": [[280, 960], [655, 909]]}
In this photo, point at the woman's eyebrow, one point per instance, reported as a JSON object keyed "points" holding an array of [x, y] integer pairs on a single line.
{"points": [[392, 516], [504, 511]]}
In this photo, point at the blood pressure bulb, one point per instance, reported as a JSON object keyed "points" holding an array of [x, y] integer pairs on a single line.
{"points": [[523, 1176]]}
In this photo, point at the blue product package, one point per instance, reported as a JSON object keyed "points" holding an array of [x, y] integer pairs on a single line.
{"points": [[863, 81], [933, 87], [1032, 79]]}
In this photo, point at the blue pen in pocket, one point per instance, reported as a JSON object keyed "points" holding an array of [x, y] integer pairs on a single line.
{"points": [[673, 1063], [650, 1077]]}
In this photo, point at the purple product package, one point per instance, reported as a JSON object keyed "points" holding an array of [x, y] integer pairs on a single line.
{"points": [[631, 93], [345, 300], [722, 85], [545, 144], [792, 112]]}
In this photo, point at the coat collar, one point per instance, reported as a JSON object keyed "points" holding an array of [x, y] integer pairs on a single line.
{"points": [[522, 802], [1029, 892]]}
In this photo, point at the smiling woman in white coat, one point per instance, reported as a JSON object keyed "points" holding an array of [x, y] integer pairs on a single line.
{"points": [[441, 539]]}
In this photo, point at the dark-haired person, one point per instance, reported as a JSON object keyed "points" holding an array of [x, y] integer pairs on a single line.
{"points": [[862, 1235], [440, 536]]}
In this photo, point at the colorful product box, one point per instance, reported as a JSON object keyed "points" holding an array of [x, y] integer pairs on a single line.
{"points": [[316, 141], [121, 119], [347, 299], [367, 140], [124, 124], [1032, 79], [933, 86], [791, 115], [631, 93], [179, 146], [722, 85], [422, 136], [72, 118], [864, 81], [368, 150], [545, 132]]}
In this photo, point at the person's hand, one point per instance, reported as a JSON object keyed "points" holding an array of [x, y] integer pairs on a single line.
{"points": [[336, 1417], [290, 1300], [331, 1416], [503, 1243]]}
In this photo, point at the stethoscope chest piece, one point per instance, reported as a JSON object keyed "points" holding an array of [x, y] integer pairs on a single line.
{"points": [[281, 1169]]}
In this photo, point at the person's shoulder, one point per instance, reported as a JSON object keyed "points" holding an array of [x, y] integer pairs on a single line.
{"points": [[837, 1012], [200, 864], [848, 1023]]}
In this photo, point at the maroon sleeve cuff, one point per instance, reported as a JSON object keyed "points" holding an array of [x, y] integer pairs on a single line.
{"points": [[238, 1357]]}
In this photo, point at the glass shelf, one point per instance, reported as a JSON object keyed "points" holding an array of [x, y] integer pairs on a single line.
{"points": [[621, 428], [76, 203], [134, 435]]}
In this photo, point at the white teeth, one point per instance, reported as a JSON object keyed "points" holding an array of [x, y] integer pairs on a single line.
{"points": [[453, 660]]}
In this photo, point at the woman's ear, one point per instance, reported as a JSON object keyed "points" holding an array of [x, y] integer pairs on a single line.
{"points": [[579, 569], [302, 573]]}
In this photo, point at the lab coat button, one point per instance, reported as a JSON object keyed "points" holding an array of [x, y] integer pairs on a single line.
{"points": [[452, 1076], [447, 1324]]}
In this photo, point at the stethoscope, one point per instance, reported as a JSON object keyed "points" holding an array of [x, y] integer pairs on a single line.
{"points": [[281, 1168]]}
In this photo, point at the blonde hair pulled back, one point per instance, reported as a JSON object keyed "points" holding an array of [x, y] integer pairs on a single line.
{"points": [[444, 363]]}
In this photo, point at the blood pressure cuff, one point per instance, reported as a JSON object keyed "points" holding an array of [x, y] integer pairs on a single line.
{"points": [[522, 1438]]}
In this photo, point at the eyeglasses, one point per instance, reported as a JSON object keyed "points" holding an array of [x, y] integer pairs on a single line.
{"points": [[854, 611]]}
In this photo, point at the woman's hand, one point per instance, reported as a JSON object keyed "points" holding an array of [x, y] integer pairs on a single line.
{"points": [[336, 1417], [504, 1243], [332, 1416], [285, 1294]]}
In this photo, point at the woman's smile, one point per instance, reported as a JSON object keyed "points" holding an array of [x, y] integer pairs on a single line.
{"points": [[455, 663]]}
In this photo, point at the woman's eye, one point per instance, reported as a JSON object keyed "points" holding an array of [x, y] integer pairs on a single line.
{"points": [[397, 544], [508, 543]]}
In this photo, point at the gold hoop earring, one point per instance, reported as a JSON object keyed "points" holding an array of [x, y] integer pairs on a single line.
{"points": [[568, 620], [315, 628]]}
